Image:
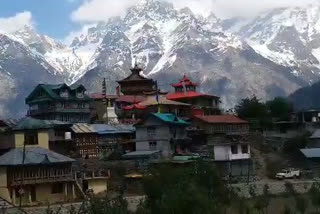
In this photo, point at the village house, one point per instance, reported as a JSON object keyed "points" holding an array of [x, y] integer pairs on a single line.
{"points": [[48, 134], [97, 141], [59, 102], [226, 136], [6, 135], [36, 176], [85, 140], [185, 91], [227, 140], [115, 138], [162, 132]]}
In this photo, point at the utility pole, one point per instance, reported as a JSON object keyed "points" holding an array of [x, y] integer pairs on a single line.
{"points": [[21, 191]]}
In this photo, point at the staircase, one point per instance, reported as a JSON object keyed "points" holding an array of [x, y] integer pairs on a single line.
{"points": [[80, 189]]}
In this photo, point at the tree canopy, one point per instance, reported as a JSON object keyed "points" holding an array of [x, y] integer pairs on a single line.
{"points": [[193, 189]]}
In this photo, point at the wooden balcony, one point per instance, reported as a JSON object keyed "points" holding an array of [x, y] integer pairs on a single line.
{"points": [[38, 176]]}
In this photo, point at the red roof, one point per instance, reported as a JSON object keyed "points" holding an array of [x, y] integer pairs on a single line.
{"points": [[184, 81], [188, 94], [221, 119], [134, 106], [131, 99]]}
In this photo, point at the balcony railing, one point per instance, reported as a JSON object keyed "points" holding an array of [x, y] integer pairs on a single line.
{"points": [[53, 110], [41, 179]]}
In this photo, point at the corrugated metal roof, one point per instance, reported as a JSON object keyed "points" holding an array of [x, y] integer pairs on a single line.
{"points": [[170, 118], [140, 153], [82, 128], [33, 156], [102, 128], [311, 153], [113, 129], [316, 134]]}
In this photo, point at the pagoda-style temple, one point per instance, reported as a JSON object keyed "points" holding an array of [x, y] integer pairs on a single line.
{"points": [[136, 84], [186, 92]]}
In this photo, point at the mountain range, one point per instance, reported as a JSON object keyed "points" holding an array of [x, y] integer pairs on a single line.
{"points": [[273, 54]]}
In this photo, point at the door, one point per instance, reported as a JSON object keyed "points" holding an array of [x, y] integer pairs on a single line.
{"points": [[33, 193]]}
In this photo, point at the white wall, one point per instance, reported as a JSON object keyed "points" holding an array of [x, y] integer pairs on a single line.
{"points": [[223, 153]]}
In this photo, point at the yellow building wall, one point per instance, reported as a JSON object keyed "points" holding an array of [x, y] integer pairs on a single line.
{"points": [[98, 185], [19, 139], [44, 195], [43, 140], [4, 192]]}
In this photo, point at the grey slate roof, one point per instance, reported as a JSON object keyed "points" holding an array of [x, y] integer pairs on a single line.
{"points": [[33, 156], [311, 153], [31, 123], [315, 134]]}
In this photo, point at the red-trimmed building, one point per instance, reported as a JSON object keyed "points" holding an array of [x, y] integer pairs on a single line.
{"points": [[226, 136], [202, 104]]}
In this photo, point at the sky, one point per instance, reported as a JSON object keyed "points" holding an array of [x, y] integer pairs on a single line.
{"points": [[61, 19]]}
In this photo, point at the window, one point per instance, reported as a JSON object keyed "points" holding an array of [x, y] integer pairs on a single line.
{"points": [[152, 146], [64, 94], [234, 149], [59, 133], [57, 188], [31, 138], [245, 149], [80, 94], [151, 131]]}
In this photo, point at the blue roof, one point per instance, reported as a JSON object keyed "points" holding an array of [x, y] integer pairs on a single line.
{"points": [[170, 118], [311, 153], [33, 156], [113, 129]]}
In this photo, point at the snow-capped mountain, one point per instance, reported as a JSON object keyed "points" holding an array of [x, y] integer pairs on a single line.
{"points": [[286, 36], [228, 58], [20, 70], [170, 42]]}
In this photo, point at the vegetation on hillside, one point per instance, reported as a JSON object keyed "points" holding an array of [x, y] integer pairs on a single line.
{"points": [[306, 98]]}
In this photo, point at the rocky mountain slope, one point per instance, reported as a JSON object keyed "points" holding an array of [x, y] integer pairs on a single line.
{"points": [[286, 36], [223, 56], [170, 42]]}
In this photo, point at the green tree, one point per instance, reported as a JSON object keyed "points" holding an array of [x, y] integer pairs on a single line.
{"points": [[255, 111], [314, 194], [280, 108], [105, 206], [293, 145], [251, 108], [287, 210], [301, 204], [196, 188]]}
